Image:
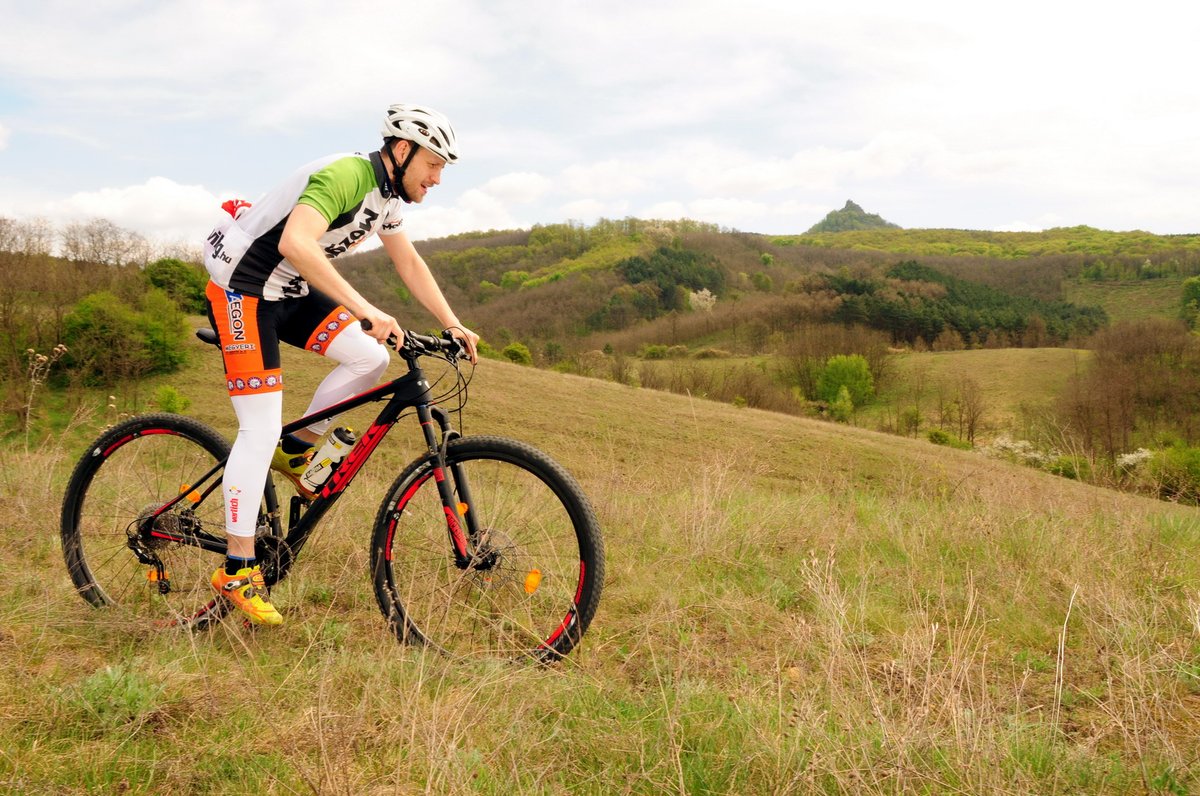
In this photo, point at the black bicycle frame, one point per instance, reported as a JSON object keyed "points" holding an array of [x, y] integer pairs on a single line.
{"points": [[410, 391]]}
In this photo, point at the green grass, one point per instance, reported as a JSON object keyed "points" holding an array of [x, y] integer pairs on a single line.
{"points": [[1129, 301], [791, 607], [1011, 381], [1008, 378]]}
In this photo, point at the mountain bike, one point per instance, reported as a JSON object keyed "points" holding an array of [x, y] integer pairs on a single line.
{"points": [[481, 546]]}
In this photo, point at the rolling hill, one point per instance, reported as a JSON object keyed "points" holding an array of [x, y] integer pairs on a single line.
{"points": [[574, 286], [790, 606]]}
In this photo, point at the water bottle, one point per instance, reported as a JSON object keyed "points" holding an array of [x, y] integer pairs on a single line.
{"points": [[328, 457]]}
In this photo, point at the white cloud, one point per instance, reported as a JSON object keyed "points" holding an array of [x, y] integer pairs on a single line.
{"points": [[667, 211], [606, 178], [590, 210], [474, 210], [578, 110], [159, 208], [519, 187]]}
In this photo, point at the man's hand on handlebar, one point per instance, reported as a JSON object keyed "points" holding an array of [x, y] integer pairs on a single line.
{"points": [[380, 325], [470, 341]]}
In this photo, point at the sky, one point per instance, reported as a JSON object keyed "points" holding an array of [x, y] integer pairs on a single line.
{"points": [[757, 116]]}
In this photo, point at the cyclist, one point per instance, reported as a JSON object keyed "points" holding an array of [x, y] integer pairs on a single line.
{"points": [[272, 281]]}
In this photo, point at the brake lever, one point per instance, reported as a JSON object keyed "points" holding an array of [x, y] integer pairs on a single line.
{"points": [[392, 340], [458, 351]]}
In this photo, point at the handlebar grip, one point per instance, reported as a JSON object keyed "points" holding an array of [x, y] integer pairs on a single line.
{"points": [[368, 326]]}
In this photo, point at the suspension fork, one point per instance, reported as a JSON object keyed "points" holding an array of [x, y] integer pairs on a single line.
{"points": [[461, 522]]}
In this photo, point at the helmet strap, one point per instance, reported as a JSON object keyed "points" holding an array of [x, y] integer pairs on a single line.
{"points": [[397, 184]]}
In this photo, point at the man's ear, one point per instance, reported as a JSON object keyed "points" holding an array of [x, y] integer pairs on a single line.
{"points": [[400, 149]]}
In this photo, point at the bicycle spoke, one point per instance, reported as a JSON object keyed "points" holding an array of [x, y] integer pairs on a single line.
{"points": [[524, 576], [144, 464]]}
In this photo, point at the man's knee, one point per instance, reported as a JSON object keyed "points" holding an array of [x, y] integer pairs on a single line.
{"points": [[370, 360], [382, 357]]}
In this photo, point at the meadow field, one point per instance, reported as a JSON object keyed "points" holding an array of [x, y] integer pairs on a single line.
{"points": [[1011, 380], [791, 606], [1129, 301]]}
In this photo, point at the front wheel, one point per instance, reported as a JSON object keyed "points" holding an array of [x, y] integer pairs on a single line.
{"points": [[536, 565]]}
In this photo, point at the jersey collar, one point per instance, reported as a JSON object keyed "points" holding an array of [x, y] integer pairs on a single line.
{"points": [[381, 177]]}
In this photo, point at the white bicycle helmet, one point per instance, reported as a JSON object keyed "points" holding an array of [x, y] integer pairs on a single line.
{"points": [[422, 126]]}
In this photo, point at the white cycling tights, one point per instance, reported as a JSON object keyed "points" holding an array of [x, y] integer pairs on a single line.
{"points": [[362, 361]]}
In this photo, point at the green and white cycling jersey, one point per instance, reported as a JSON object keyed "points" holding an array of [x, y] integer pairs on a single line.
{"points": [[242, 253]]}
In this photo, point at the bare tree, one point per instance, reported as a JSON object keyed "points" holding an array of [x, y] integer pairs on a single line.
{"points": [[103, 242], [971, 406]]}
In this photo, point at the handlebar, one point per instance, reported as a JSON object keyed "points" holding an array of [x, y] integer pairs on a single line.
{"points": [[415, 345]]}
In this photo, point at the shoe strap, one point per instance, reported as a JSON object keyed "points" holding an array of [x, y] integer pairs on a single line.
{"points": [[254, 579]]}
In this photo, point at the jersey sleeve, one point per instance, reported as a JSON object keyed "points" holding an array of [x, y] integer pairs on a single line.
{"points": [[337, 188], [393, 222]]}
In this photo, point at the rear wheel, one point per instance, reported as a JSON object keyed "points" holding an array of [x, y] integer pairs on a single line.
{"points": [[534, 578], [118, 552]]}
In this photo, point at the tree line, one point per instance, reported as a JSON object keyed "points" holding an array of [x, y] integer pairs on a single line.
{"points": [[913, 302]]}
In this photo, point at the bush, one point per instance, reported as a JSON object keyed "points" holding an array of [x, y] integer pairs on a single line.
{"points": [[939, 437], [169, 399], [183, 282], [485, 349], [554, 352], [842, 407], [650, 351], [518, 353], [851, 372], [1073, 467], [110, 341], [1176, 474]]}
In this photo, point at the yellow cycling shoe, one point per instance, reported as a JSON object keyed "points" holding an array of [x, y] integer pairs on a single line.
{"points": [[293, 466], [248, 591]]}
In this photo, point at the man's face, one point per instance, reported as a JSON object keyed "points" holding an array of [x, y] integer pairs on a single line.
{"points": [[424, 172]]}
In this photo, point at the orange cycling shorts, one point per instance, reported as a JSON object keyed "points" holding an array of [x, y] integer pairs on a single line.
{"points": [[251, 329]]}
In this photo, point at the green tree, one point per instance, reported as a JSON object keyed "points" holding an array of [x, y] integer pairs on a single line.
{"points": [[183, 282], [846, 371], [842, 407], [761, 281], [672, 272], [1190, 304]]}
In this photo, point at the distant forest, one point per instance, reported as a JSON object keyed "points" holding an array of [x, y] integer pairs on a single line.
{"points": [[630, 282]]}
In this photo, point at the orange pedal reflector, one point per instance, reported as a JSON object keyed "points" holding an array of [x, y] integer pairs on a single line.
{"points": [[462, 509], [193, 496], [533, 580], [152, 575]]}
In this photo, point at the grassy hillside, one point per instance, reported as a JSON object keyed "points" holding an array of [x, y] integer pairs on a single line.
{"points": [[791, 606], [1003, 245], [1129, 301], [1008, 378]]}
